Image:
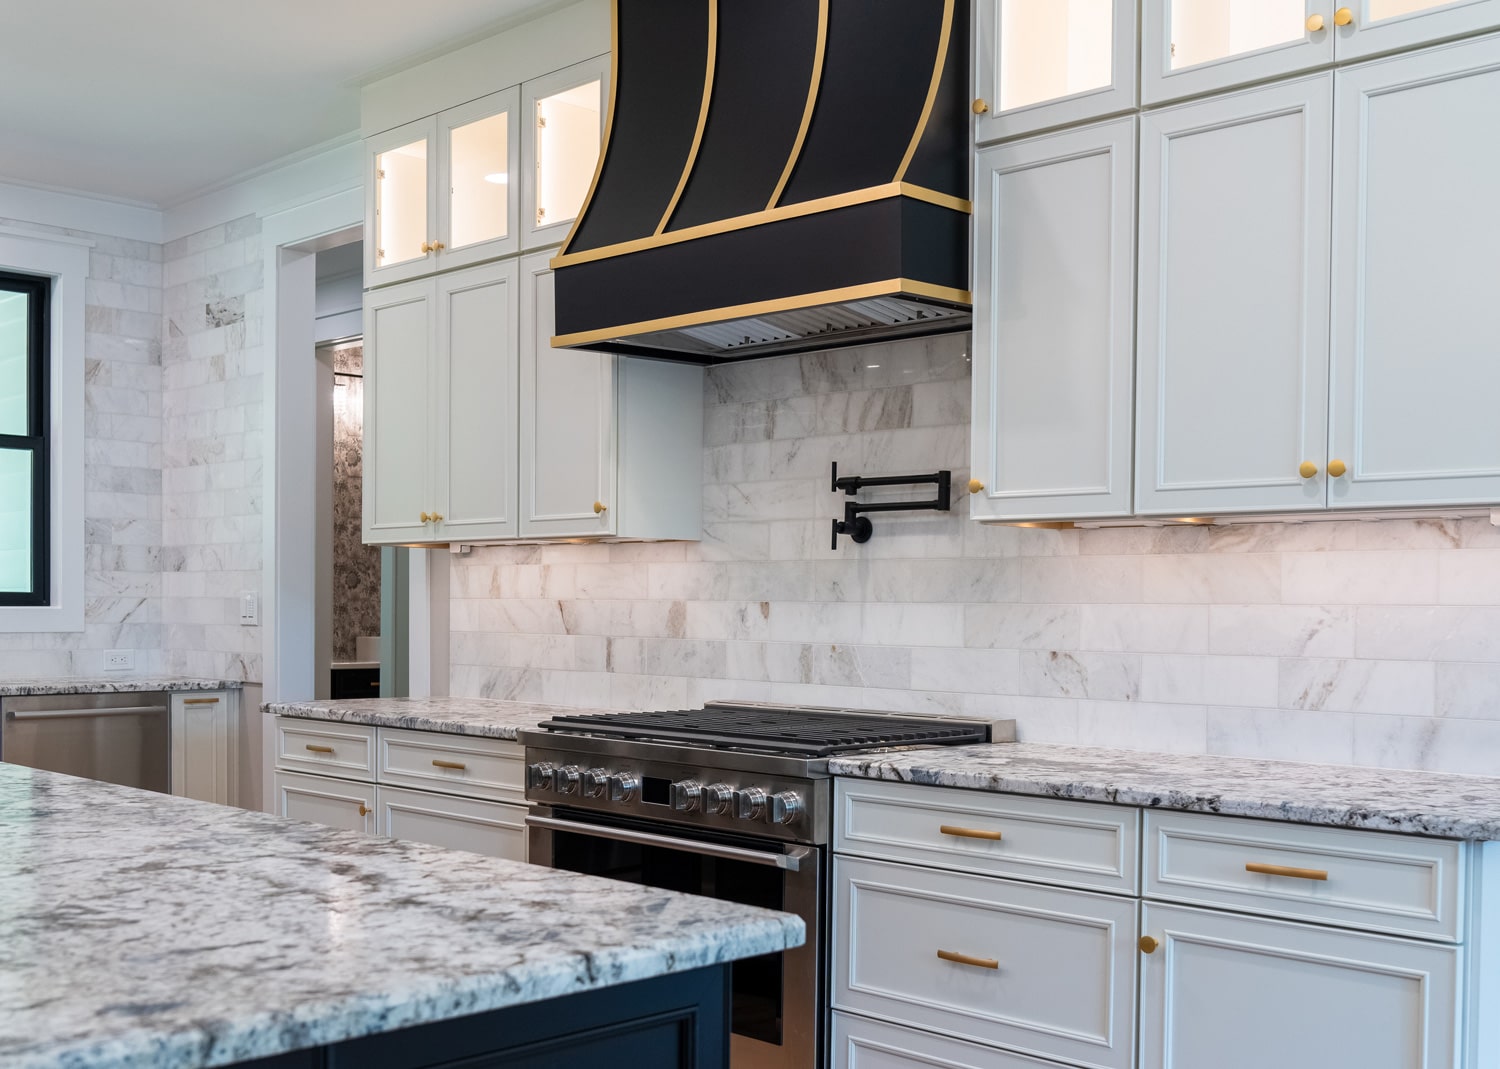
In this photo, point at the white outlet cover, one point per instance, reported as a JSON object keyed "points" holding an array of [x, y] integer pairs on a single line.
{"points": [[119, 660]]}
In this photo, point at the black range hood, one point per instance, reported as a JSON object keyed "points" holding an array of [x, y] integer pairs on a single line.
{"points": [[778, 176]]}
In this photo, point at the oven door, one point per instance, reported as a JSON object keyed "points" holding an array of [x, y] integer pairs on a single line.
{"points": [[778, 998]]}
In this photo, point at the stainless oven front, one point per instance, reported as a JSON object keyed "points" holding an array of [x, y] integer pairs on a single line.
{"points": [[778, 999]]}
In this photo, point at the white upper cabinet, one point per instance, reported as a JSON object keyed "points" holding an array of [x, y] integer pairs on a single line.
{"points": [[1416, 226], [1043, 63], [1367, 27], [479, 149], [1232, 367], [1053, 325], [401, 213], [610, 446], [400, 346], [565, 113], [1199, 46]]}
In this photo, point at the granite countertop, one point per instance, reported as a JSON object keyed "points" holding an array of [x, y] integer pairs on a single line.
{"points": [[18, 688], [139, 929], [1381, 799], [454, 716]]}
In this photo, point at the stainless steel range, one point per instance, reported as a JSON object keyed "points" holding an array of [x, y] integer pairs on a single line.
{"points": [[731, 801]]}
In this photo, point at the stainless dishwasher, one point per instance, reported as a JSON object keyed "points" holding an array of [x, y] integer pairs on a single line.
{"points": [[118, 738]]}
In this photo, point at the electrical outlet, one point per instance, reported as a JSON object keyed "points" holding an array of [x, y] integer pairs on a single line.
{"points": [[119, 660], [249, 608]]}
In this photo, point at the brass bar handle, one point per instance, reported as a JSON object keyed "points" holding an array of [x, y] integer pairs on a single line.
{"points": [[967, 959], [1283, 870], [448, 764], [320, 749], [969, 833], [200, 701]]}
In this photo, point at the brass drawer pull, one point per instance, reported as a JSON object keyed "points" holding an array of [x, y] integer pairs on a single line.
{"points": [[448, 764], [965, 959], [200, 701], [969, 833], [320, 749], [1282, 870]]}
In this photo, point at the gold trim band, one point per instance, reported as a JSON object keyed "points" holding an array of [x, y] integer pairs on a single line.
{"points": [[609, 121], [770, 215], [932, 89], [887, 288], [708, 92], [814, 83]]}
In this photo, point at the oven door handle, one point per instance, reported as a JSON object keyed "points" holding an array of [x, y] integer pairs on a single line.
{"points": [[790, 861]]}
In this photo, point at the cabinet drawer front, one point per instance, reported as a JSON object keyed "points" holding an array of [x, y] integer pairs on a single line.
{"points": [[456, 823], [1071, 843], [454, 764], [859, 1043], [1038, 970], [321, 800], [328, 749], [1234, 992], [1357, 879]]}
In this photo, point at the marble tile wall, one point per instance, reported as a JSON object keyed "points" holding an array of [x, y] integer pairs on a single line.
{"points": [[1374, 643], [212, 447], [356, 566], [122, 469]]}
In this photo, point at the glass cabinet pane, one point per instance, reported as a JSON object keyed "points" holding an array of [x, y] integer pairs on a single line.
{"points": [[1053, 48], [401, 204], [1207, 30], [479, 191], [1390, 9], [567, 149], [15, 521], [15, 366]]}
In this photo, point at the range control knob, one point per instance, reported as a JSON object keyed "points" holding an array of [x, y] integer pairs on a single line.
{"points": [[786, 807], [594, 782], [717, 798], [750, 803], [623, 787], [565, 779], [539, 775], [687, 796]]}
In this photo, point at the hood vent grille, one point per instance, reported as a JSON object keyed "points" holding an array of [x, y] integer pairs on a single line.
{"points": [[777, 176]]}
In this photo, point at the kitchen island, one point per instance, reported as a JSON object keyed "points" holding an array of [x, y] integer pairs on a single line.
{"points": [[138, 930]]}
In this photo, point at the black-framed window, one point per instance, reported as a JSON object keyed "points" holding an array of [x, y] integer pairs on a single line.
{"points": [[25, 425]]}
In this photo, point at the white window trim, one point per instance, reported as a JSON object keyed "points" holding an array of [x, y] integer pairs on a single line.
{"points": [[66, 261]]}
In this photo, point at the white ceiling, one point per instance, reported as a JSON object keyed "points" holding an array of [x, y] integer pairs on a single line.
{"points": [[155, 100]]}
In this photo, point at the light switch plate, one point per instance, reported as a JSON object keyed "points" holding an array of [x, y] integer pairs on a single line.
{"points": [[249, 608], [119, 660]]}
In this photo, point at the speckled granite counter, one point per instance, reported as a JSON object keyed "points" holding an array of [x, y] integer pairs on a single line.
{"points": [[455, 716], [138, 929], [1417, 803], [20, 688]]}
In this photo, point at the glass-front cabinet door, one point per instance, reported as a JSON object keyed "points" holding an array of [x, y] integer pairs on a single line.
{"points": [[566, 113], [1043, 63], [1199, 46], [1367, 27], [399, 206], [477, 206]]}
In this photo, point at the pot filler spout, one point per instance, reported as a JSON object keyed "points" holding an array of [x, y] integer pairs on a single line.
{"points": [[777, 176]]}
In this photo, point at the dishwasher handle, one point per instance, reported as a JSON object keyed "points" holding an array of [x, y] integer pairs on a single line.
{"points": [[65, 714]]}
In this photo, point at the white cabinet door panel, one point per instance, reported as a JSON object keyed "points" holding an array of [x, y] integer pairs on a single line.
{"points": [[568, 433], [1236, 992], [1416, 364], [337, 803], [477, 376], [399, 343], [860, 1043], [478, 203], [490, 828], [1190, 47], [1233, 302], [1387, 25], [401, 217], [1053, 325], [202, 747]]}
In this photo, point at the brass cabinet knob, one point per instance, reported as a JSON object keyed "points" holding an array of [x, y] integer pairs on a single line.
{"points": [[363, 811], [437, 517], [1314, 23], [975, 486], [1337, 468], [438, 246], [1343, 17], [600, 507], [1307, 469], [426, 518], [980, 106], [1148, 945], [426, 246]]}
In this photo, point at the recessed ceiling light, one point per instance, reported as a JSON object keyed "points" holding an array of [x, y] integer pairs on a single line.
{"points": [[500, 178]]}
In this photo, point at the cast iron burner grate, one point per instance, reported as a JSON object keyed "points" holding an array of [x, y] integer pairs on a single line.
{"points": [[794, 732]]}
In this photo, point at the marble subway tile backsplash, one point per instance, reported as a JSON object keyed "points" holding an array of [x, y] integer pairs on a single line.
{"points": [[1350, 641]]}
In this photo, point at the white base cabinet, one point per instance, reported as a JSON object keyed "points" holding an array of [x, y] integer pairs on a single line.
{"points": [[204, 729], [455, 791]]}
